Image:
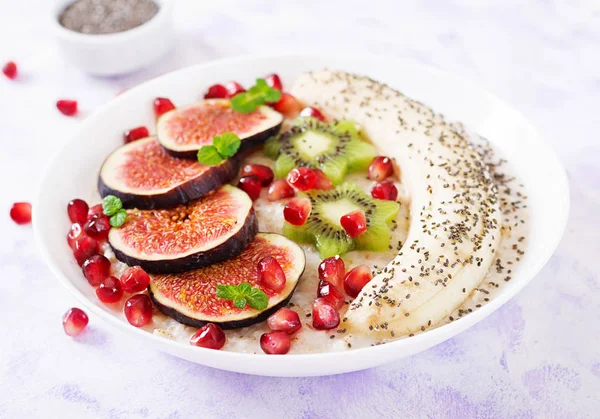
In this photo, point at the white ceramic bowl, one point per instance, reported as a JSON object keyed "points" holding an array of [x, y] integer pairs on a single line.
{"points": [[72, 173], [117, 53]]}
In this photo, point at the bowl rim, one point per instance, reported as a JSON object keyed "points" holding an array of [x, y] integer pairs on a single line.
{"points": [[425, 339]]}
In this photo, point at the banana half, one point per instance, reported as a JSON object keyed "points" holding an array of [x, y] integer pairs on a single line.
{"points": [[455, 225]]}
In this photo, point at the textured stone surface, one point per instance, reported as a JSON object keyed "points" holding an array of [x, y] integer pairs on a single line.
{"points": [[536, 357]]}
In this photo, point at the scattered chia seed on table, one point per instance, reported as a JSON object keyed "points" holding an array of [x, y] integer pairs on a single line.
{"points": [[97, 17]]}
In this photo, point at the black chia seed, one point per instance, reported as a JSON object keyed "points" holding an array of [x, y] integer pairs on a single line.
{"points": [[98, 17]]}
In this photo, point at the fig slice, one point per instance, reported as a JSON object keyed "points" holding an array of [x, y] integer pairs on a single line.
{"points": [[183, 131], [191, 297], [208, 230], [144, 176]]}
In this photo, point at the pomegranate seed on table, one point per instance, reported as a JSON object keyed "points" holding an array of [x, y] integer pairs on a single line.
{"points": [[20, 212], [67, 107], [270, 274], [355, 223], [280, 189], [135, 134], [233, 88], [380, 168], [75, 232], [85, 247], [97, 227], [78, 211], [96, 269], [333, 270], [385, 190], [262, 172], [135, 279], [74, 321], [274, 81], [331, 294], [209, 336], [356, 279], [216, 91], [250, 185], [110, 290], [10, 70], [96, 209], [313, 113], [297, 210], [284, 320], [324, 315], [138, 310], [302, 178], [288, 105], [275, 343], [322, 182], [162, 105]]}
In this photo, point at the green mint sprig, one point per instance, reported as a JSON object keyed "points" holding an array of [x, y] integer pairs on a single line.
{"points": [[257, 95], [223, 147], [113, 208], [242, 294]]}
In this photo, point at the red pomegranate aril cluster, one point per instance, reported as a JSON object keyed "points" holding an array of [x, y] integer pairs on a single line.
{"points": [[77, 209], [95, 209], [10, 70], [274, 81], [354, 223], [96, 269], [275, 343], [297, 210], [385, 190], [226, 91], [331, 294], [135, 134], [233, 88], [138, 310], [20, 212], [250, 185], [284, 320], [67, 107], [74, 233], [381, 168], [324, 315], [270, 274], [209, 336], [97, 226], [110, 290], [84, 248], [322, 182], [280, 189], [74, 321], [134, 279], [162, 105], [333, 269], [302, 178], [288, 105], [262, 172], [356, 279], [313, 113]]}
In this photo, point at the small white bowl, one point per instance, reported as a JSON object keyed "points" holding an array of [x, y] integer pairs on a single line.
{"points": [[117, 53]]}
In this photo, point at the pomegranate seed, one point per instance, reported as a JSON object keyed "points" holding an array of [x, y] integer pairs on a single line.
{"points": [[162, 105], [138, 310], [250, 185], [110, 290], [96, 209], [274, 81], [322, 181], [297, 210], [20, 212], [313, 113], [135, 134], [288, 105], [96, 269], [135, 279], [10, 70], [275, 343], [233, 88], [380, 168], [209, 336], [75, 232], [85, 247], [331, 294], [284, 320], [67, 107], [264, 173], [354, 223], [74, 321], [333, 270], [216, 91], [324, 315], [280, 189], [302, 178], [97, 227], [270, 274], [385, 190], [356, 279], [78, 211]]}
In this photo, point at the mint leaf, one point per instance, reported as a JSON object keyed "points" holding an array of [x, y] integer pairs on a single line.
{"points": [[239, 302], [257, 299], [257, 95], [227, 144], [118, 219], [208, 155], [226, 292], [111, 205], [243, 294]]}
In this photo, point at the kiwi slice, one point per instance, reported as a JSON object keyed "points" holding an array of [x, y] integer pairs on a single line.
{"points": [[336, 149], [323, 228]]}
